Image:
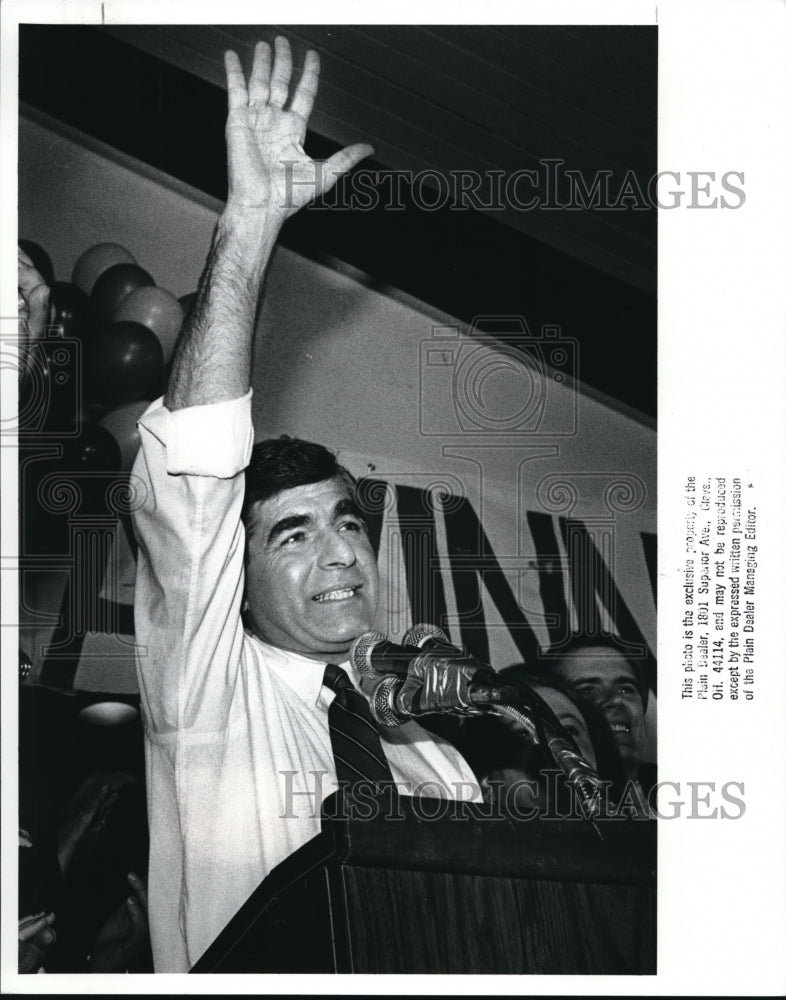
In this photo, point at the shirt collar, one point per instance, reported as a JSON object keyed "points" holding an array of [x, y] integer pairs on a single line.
{"points": [[301, 673]]}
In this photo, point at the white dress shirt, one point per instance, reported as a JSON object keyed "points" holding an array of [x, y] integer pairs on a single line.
{"points": [[238, 751]]}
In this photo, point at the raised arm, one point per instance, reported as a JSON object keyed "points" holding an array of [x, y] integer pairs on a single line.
{"points": [[190, 563], [270, 177]]}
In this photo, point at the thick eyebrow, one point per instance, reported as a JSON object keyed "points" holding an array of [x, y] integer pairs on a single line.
{"points": [[625, 679], [344, 506], [287, 524], [595, 679], [347, 506]]}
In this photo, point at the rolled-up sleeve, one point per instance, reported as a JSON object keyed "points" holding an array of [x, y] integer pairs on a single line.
{"points": [[189, 480]]}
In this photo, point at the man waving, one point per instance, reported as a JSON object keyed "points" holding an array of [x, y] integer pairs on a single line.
{"points": [[255, 571]]}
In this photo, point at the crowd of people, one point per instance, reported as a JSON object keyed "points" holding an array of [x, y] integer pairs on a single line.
{"points": [[600, 698], [255, 574]]}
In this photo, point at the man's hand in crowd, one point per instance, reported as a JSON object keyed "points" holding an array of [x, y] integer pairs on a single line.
{"points": [[124, 938], [36, 935], [268, 169], [33, 307]]}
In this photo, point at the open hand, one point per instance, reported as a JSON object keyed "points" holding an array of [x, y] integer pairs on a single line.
{"points": [[267, 166]]}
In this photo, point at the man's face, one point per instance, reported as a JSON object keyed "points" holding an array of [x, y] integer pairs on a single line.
{"points": [[603, 676], [311, 575]]}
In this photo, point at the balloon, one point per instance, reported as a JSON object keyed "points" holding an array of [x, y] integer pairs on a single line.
{"points": [[93, 262], [156, 309], [71, 308], [121, 424], [94, 450], [123, 361], [42, 262], [112, 287]]}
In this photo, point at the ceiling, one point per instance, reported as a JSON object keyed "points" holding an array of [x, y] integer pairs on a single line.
{"points": [[480, 98]]}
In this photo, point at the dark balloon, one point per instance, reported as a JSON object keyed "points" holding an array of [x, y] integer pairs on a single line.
{"points": [[97, 259], [158, 310], [94, 450], [123, 362], [42, 262], [112, 287], [71, 309]]}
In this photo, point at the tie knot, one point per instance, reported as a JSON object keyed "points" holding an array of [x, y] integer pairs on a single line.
{"points": [[336, 679]]}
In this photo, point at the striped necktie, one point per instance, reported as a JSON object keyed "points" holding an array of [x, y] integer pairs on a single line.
{"points": [[357, 750]]}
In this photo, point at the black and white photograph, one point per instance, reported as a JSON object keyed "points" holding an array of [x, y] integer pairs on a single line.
{"points": [[385, 602]]}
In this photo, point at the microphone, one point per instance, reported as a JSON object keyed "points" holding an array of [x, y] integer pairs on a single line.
{"points": [[405, 681], [373, 654], [426, 635], [381, 681]]}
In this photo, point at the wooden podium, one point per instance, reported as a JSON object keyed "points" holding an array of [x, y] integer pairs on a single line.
{"points": [[438, 887]]}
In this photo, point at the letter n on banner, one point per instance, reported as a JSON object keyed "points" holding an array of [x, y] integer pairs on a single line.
{"points": [[586, 544], [472, 560], [418, 539]]}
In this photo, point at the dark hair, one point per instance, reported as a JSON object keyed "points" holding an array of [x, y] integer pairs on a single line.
{"points": [[283, 463], [577, 642]]}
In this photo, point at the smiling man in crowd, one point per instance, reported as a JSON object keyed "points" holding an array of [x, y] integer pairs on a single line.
{"points": [[255, 571], [599, 672]]}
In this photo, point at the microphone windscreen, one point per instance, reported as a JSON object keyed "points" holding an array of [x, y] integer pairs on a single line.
{"points": [[361, 649], [382, 700], [418, 635]]}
